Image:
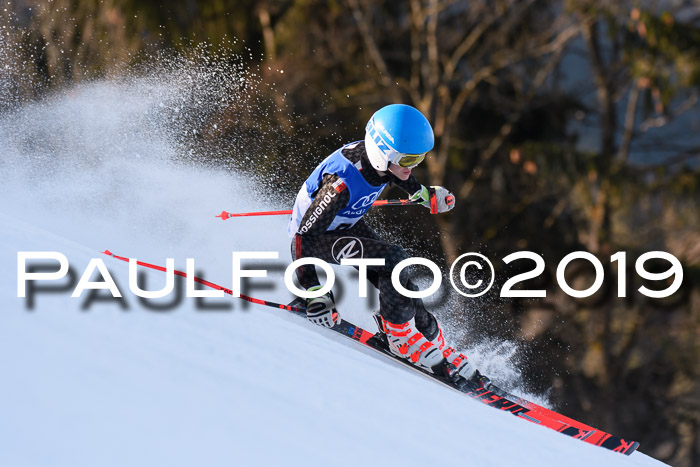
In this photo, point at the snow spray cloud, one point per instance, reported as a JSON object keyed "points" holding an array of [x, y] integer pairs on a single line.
{"points": [[149, 118], [121, 162]]}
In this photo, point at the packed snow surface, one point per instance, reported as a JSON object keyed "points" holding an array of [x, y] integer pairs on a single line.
{"points": [[91, 381]]}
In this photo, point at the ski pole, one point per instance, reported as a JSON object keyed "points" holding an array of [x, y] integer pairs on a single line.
{"points": [[382, 202], [211, 284]]}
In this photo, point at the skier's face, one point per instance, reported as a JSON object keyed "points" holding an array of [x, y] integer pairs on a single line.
{"points": [[402, 173]]}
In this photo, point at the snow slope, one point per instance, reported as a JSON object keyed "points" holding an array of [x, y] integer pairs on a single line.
{"points": [[88, 383]]}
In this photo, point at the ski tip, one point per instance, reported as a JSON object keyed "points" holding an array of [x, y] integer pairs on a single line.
{"points": [[629, 448], [634, 447]]}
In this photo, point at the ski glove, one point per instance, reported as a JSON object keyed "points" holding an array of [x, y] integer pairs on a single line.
{"points": [[321, 310], [435, 198]]}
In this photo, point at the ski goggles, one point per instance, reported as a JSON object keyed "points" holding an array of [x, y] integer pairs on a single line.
{"points": [[409, 160]]}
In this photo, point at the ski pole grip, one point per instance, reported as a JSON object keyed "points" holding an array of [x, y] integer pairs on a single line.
{"points": [[433, 201]]}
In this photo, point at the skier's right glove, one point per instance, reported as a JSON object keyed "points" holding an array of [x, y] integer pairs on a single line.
{"points": [[321, 310], [435, 198]]}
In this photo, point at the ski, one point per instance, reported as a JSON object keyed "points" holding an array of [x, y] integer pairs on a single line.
{"points": [[483, 390], [479, 388]]}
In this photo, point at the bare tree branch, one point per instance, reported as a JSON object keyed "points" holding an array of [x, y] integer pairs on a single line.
{"points": [[466, 45], [630, 118], [368, 39], [657, 122]]}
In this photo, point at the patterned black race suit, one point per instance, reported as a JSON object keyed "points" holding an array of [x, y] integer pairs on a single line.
{"points": [[331, 246]]}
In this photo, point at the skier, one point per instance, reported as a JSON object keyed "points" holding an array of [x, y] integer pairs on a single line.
{"points": [[327, 223]]}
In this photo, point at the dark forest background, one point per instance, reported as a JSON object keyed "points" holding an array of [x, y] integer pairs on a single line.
{"points": [[560, 126]]}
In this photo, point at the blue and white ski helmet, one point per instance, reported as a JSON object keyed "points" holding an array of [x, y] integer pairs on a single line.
{"points": [[395, 131]]}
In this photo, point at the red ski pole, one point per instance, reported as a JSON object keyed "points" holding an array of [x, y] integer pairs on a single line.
{"points": [[211, 284], [382, 202]]}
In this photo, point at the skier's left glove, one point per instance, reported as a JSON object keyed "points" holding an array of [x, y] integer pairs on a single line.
{"points": [[321, 310], [435, 198]]}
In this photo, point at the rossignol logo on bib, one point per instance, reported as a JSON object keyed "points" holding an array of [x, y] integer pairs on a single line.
{"points": [[346, 248], [317, 212]]}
